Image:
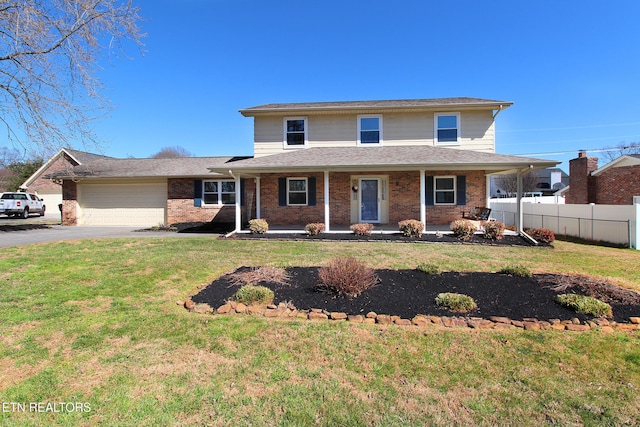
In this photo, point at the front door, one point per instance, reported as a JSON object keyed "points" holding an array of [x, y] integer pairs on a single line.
{"points": [[370, 200]]}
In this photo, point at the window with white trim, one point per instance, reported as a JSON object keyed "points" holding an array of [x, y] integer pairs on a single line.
{"points": [[446, 128], [444, 190], [297, 192], [370, 129], [295, 132], [219, 192]]}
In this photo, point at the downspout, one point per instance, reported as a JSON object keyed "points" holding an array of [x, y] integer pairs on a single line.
{"points": [[498, 111], [238, 196]]}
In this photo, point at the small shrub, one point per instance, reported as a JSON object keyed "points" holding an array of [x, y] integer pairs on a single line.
{"points": [[493, 230], [428, 268], [459, 303], [265, 274], [258, 226], [543, 235], [411, 227], [585, 305], [347, 277], [314, 228], [516, 270], [463, 229], [362, 229], [250, 294]]}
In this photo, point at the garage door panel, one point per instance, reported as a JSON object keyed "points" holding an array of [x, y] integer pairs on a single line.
{"points": [[122, 204]]}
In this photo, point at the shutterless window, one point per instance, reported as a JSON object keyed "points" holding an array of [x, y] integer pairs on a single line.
{"points": [[447, 128], [369, 130], [297, 191], [445, 190], [219, 192], [295, 131]]}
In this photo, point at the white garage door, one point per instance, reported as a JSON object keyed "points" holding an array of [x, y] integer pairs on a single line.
{"points": [[140, 204]]}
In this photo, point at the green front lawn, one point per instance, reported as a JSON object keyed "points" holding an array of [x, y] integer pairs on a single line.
{"points": [[96, 322]]}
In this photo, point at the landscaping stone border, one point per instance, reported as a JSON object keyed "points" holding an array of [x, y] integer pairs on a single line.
{"points": [[286, 311]]}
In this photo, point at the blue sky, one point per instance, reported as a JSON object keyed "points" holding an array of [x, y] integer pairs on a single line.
{"points": [[570, 67]]}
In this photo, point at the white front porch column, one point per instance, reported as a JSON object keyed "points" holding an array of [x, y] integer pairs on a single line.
{"points": [[326, 201], [423, 202], [520, 216], [238, 206], [258, 197], [488, 191]]}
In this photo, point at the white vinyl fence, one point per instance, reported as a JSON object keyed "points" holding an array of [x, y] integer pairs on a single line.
{"points": [[608, 223]]}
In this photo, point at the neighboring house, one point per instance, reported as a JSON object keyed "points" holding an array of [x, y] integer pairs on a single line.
{"points": [[542, 182], [334, 162], [616, 183], [63, 161]]}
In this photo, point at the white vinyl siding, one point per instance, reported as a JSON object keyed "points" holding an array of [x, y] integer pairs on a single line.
{"points": [[400, 129], [130, 204]]}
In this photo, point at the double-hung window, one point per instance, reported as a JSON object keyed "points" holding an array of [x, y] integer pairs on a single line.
{"points": [[444, 190], [297, 192], [219, 192], [447, 128], [370, 130], [295, 132]]}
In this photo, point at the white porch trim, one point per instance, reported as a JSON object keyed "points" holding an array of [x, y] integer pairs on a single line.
{"points": [[423, 200], [326, 202]]}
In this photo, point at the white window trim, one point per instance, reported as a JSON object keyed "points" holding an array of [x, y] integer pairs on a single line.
{"points": [[455, 190], [435, 128], [306, 191], [220, 192], [370, 116], [284, 133]]}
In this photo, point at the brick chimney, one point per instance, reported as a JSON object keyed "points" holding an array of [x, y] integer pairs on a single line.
{"points": [[582, 184]]}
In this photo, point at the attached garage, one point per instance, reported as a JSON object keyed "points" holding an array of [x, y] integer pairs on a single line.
{"points": [[134, 203]]}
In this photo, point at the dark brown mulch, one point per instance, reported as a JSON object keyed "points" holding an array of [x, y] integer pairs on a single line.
{"points": [[407, 293], [396, 237]]}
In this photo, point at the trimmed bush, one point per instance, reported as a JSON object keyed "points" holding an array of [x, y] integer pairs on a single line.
{"points": [[250, 294], [463, 229], [459, 303], [493, 230], [314, 228], [543, 235], [585, 305], [428, 268], [258, 226], [347, 277], [362, 229], [411, 227], [516, 270]]}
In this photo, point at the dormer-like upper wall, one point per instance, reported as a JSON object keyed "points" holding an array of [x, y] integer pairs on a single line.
{"points": [[466, 123]]}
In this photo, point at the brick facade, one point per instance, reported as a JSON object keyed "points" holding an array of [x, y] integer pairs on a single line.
{"points": [[617, 186], [62, 163], [612, 186], [69, 203]]}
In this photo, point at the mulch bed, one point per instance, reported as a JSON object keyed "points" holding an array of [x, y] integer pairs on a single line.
{"points": [[396, 237], [407, 293]]}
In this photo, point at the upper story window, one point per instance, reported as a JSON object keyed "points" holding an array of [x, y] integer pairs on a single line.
{"points": [[295, 132], [219, 192], [369, 130], [447, 128]]}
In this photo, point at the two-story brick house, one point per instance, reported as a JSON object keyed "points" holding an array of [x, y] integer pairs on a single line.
{"points": [[334, 162]]}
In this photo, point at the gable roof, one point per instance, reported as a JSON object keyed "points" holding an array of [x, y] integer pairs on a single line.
{"points": [[382, 158], [400, 104], [146, 168], [77, 157], [624, 160]]}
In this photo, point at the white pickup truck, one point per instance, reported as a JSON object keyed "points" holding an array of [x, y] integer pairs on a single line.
{"points": [[21, 204]]}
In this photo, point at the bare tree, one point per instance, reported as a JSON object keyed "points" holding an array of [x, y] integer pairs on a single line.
{"points": [[50, 51], [620, 150], [172, 153], [509, 183]]}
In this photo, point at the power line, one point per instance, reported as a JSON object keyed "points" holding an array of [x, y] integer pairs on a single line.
{"points": [[571, 127]]}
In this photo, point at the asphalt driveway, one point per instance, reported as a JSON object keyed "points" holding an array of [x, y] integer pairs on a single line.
{"points": [[31, 233]]}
